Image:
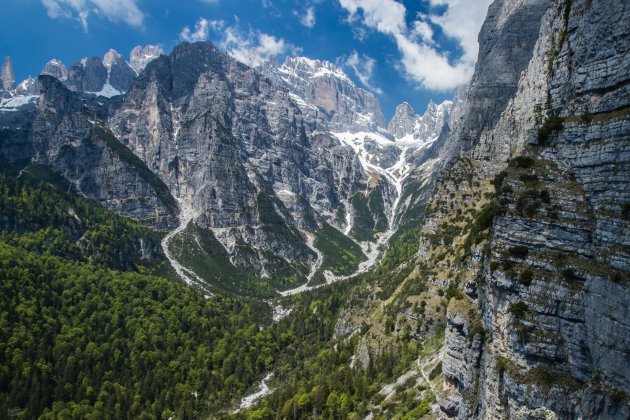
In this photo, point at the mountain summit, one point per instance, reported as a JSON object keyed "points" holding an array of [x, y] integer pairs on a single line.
{"points": [[344, 106]]}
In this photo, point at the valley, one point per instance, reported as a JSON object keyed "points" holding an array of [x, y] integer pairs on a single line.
{"points": [[194, 235]]}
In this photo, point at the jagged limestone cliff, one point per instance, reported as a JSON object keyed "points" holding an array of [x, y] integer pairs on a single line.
{"points": [[543, 327]]}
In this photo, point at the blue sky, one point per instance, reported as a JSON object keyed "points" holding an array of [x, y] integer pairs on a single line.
{"points": [[400, 50]]}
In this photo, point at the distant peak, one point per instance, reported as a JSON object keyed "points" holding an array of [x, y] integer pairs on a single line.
{"points": [[405, 108], [141, 56], [111, 57], [271, 61], [113, 53], [56, 69], [310, 68]]}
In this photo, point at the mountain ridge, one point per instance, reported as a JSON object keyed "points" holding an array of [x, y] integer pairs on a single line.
{"points": [[158, 129]]}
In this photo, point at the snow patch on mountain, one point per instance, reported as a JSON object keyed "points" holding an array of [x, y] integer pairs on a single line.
{"points": [[16, 102], [108, 91]]}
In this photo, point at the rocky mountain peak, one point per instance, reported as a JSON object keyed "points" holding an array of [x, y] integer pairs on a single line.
{"points": [[344, 106], [8, 76], [112, 58], [55, 68], [407, 125], [30, 86], [428, 126], [140, 57], [403, 121], [88, 75], [120, 75], [308, 68]]}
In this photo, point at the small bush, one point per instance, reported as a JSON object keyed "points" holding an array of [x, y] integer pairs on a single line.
{"points": [[525, 198], [507, 265], [498, 180], [526, 277], [523, 162], [551, 125], [503, 364], [569, 274], [518, 251], [545, 197], [436, 371], [453, 292], [528, 178], [476, 328], [618, 277], [518, 309]]}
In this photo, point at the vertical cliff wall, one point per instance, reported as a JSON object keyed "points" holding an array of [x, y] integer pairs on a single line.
{"points": [[543, 330]]}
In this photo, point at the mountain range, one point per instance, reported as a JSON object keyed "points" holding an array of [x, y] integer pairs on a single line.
{"points": [[470, 262], [260, 160]]}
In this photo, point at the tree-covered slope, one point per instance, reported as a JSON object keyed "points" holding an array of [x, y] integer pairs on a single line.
{"points": [[79, 340]]}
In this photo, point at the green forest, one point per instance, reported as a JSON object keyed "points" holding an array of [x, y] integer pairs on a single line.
{"points": [[95, 326]]}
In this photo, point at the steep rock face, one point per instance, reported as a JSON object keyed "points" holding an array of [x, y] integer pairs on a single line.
{"points": [[64, 134], [403, 121], [506, 46], [140, 57], [55, 68], [397, 161], [344, 106], [120, 75], [552, 289], [88, 75], [237, 152], [8, 75], [406, 125]]}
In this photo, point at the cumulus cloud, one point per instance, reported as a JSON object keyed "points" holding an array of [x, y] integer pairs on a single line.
{"points": [[363, 67], [126, 11], [254, 47], [308, 19], [421, 58], [462, 21], [201, 30], [250, 47]]}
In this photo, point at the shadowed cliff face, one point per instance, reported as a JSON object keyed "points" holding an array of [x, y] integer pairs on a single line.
{"points": [[65, 133], [506, 46], [551, 288]]}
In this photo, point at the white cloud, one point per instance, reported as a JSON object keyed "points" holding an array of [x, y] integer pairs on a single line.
{"points": [[126, 11], [255, 47], [201, 30], [421, 58], [462, 21], [363, 67], [251, 47], [423, 31], [308, 19]]}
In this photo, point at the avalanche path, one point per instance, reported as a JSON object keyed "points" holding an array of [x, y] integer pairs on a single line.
{"points": [[187, 275]]}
